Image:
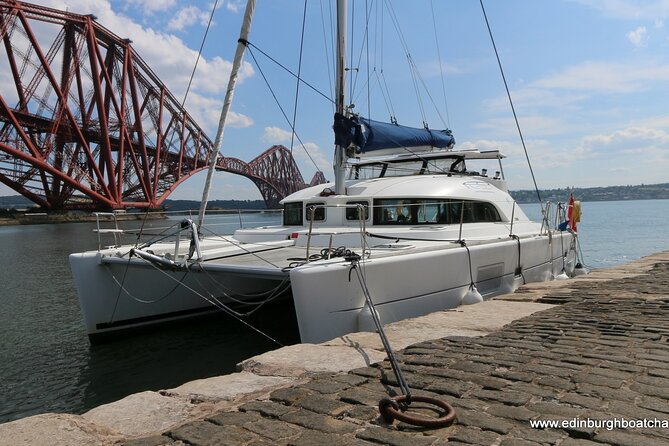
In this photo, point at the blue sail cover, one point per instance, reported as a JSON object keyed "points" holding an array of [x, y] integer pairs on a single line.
{"points": [[380, 138]]}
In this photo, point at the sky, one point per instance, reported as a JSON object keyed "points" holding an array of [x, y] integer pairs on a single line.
{"points": [[589, 79]]}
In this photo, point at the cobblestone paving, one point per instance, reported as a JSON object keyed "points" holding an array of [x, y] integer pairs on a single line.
{"points": [[602, 354]]}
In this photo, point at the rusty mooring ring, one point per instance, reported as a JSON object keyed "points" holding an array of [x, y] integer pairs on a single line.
{"points": [[390, 410]]}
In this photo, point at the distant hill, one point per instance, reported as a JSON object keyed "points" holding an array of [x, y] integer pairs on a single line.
{"points": [[609, 193], [15, 201], [185, 205]]}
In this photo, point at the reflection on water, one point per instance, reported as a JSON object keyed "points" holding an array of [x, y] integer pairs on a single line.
{"points": [[48, 365], [170, 356], [46, 361]]}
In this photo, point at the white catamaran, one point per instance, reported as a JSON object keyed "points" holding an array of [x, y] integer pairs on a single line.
{"points": [[409, 222]]}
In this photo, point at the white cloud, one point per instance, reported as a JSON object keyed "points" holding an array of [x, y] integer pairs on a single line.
{"points": [[206, 111], [238, 120], [276, 135], [186, 17], [234, 5], [151, 6], [433, 69], [309, 156], [629, 140], [532, 97], [638, 37], [321, 161], [531, 125], [607, 77]]}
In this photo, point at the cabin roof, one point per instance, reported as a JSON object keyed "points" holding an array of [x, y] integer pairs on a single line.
{"points": [[415, 186]]}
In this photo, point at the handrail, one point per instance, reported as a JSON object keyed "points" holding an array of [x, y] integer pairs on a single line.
{"points": [[112, 218], [116, 231]]}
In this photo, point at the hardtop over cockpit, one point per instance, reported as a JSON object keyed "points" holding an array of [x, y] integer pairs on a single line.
{"points": [[426, 163]]}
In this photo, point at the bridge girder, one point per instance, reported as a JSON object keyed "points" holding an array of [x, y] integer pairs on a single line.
{"points": [[86, 123]]}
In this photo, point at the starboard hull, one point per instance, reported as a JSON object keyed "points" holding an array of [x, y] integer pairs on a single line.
{"points": [[329, 300]]}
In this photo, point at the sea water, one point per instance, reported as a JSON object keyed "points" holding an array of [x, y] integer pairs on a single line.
{"points": [[48, 365]]}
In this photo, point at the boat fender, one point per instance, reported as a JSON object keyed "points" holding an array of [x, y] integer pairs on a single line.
{"points": [[579, 270], [365, 319], [562, 276], [472, 296]]}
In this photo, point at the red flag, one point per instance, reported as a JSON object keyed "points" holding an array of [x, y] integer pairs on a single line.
{"points": [[571, 214]]}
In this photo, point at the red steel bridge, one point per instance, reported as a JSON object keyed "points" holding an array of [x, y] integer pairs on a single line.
{"points": [[85, 123]]}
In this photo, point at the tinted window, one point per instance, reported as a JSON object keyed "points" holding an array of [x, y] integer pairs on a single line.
{"points": [[292, 214], [318, 211], [427, 211], [353, 213]]}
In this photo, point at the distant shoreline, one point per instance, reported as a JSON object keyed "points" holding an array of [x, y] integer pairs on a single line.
{"points": [[41, 218], [16, 209], [609, 193]]}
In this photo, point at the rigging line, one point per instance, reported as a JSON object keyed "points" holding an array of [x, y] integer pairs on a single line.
{"points": [[513, 109], [429, 95], [141, 228], [160, 237], [262, 73], [362, 90], [143, 301], [199, 53], [377, 20], [369, 94], [419, 78], [229, 293], [333, 45], [273, 294], [383, 94], [240, 246], [365, 45], [221, 307], [250, 45], [412, 67], [441, 68], [299, 71], [327, 54], [414, 81], [120, 289], [393, 116], [350, 67]]}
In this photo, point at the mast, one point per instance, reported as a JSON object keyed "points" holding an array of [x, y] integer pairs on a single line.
{"points": [[236, 64], [340, 152]]}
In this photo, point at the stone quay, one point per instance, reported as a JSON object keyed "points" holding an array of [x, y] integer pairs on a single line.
{"points": [[590, 356]]}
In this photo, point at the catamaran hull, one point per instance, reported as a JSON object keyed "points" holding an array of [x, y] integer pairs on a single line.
{"points": [[329, 299], [117, 295]]}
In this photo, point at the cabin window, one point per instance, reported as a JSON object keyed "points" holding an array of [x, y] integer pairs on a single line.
{"points": [[353, 211], [317, 210], [393, 211], [429, 211], [292, 214]]}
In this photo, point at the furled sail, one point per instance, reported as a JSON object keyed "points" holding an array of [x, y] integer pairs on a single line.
{"points": [[379, 138]]}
